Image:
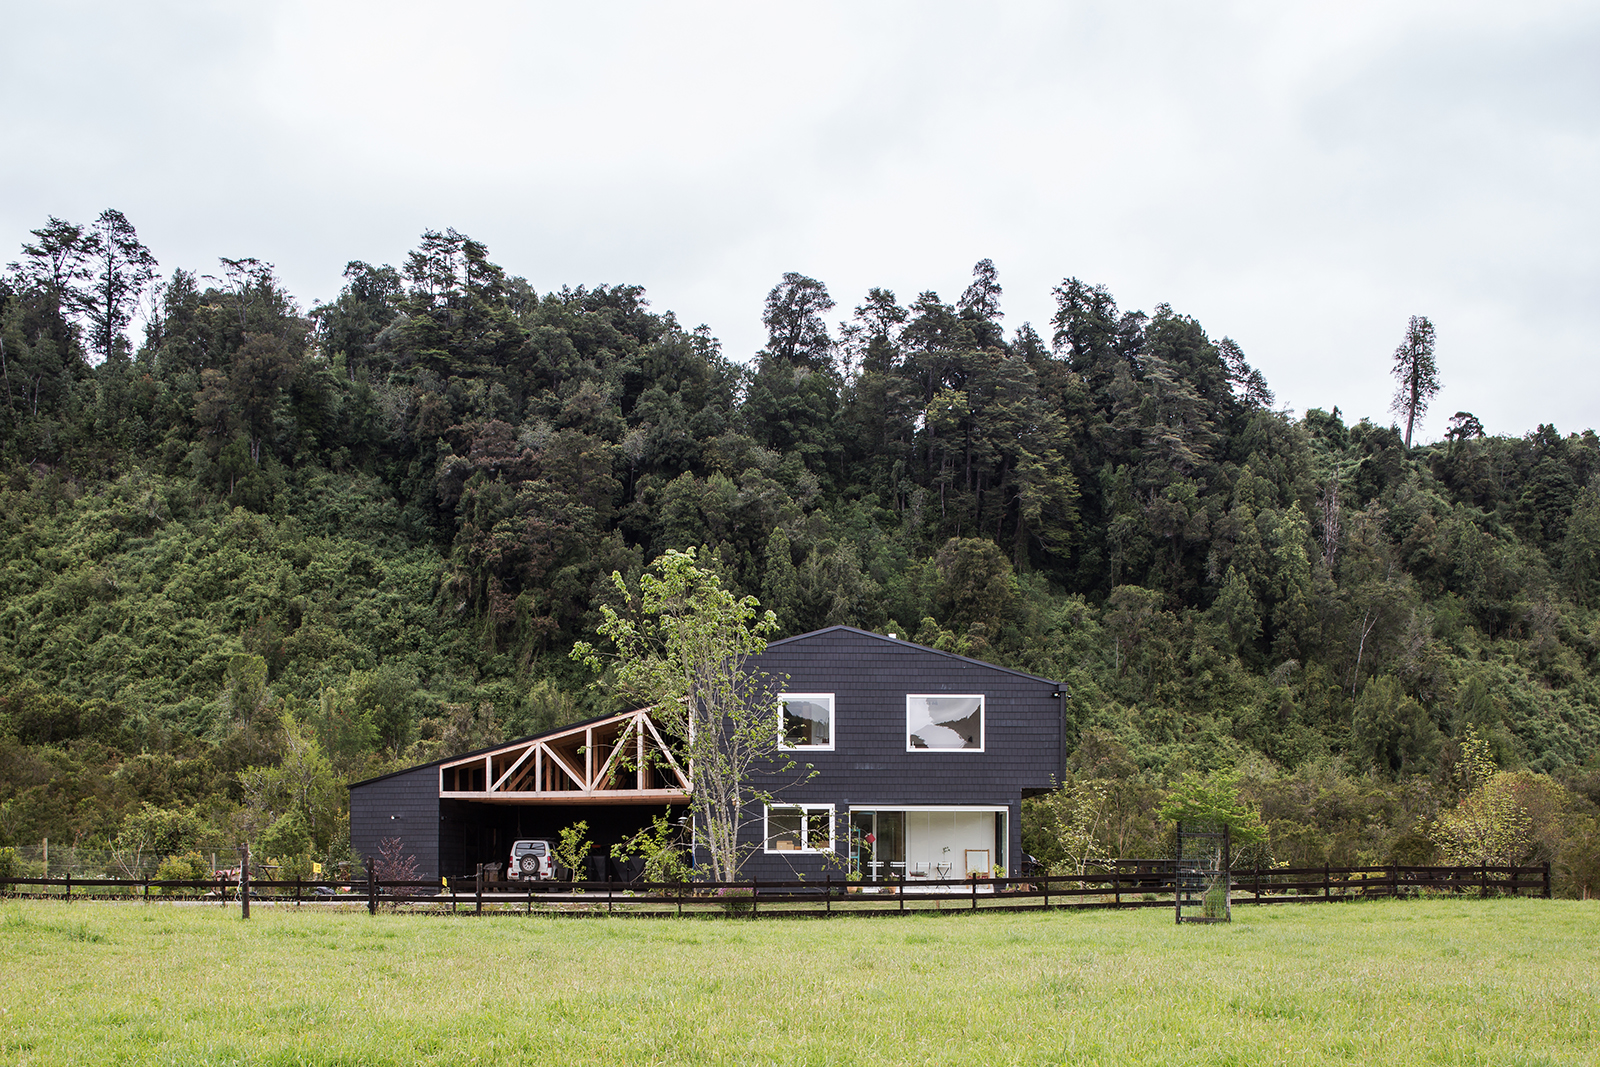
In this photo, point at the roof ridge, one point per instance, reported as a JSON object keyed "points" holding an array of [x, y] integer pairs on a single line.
{"points": [[913, 644]]}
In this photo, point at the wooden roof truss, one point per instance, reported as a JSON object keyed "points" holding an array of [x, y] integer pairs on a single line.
{"points": [[620, 760]]}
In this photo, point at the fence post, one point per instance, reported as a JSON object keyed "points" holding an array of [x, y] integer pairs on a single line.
{"points": [[827, 896], [69, 883], [244, 882], [1047, 891], [478, 892], [1547, 879], [900, 892], [1116, 886], [147, 889], [372, 889], [1483, 880], [1327, 885], [974, 892], [680, 897]]}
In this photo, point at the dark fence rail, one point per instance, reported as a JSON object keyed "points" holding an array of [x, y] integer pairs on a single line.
{"points": [[72, 887], [1142, 883]]}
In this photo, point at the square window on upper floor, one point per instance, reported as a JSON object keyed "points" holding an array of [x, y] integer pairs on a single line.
{"points": [[944, 723], [807, 720]]}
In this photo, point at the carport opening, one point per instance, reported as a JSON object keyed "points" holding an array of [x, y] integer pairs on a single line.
{"points": [[473, 833]]}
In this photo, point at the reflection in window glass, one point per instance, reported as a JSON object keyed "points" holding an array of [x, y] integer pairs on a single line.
{"points": [[807, 719], [944, 722], [797, 828]]}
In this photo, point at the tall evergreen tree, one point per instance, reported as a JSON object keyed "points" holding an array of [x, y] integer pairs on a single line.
{"points": [[57, 264], [121, 267], [796, 333], [1416, 372]]}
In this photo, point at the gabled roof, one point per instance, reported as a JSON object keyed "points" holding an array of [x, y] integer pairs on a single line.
{"points": [[912, 645]]}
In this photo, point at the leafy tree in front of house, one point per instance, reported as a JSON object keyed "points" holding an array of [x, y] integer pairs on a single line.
{"points": [[683, 644]]}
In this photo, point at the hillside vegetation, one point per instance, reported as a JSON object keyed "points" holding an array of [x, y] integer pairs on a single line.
{"points": [[267, 550]]}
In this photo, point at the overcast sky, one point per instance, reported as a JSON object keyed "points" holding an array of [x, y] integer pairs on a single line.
{"points": [[1299, 177]]}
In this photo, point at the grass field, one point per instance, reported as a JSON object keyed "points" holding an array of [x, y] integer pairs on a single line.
{"points": [[1498, 982]]}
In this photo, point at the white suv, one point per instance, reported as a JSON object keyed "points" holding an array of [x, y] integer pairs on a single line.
{"points": [[532, 860]]}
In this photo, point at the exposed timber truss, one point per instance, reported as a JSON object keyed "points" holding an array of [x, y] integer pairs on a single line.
{"points": [[620, 760]]}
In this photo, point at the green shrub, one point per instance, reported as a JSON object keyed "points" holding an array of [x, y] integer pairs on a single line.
{"points": [[189, 867], [293, 867], [656, 844]]}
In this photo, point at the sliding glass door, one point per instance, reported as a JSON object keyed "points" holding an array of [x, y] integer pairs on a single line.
{"points": [[878, 845], [892, 844]]}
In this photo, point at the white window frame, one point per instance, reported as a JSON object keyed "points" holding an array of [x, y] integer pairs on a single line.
{"points": [[983, 720], [783, 738], [807, 813]]}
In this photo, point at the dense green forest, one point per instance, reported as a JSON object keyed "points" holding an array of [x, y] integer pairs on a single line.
{"points": [[263, 550]]}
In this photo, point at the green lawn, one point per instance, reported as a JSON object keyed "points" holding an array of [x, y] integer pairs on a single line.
{"points": [[1499, 982]]}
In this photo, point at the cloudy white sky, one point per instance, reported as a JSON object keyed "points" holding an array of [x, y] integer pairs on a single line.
{"points": [[1301, 177]]}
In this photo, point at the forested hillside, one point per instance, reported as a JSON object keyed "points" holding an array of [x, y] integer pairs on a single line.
{"points": [[263, 549]]}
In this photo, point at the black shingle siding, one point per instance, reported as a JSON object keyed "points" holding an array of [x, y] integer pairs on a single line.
{"points": [[404, 805]]}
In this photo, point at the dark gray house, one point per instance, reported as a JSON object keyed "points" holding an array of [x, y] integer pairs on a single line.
{"points": [[921, 759]]}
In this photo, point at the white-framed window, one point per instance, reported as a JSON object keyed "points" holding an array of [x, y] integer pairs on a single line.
{"points": [[945, 723], [799, 828], [807, 720]]}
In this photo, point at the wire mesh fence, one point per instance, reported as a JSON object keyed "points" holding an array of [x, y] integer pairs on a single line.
{"points": [[59, 861]]}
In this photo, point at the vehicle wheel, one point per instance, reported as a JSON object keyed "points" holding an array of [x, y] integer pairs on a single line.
{"points": [[529, 865]]}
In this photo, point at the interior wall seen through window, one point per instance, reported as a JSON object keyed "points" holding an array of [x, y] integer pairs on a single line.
{"points": [[944, 722], [891, 844], [807, 719], [797, 828]]}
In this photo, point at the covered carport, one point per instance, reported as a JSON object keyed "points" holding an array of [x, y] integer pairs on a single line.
{"points": [[615, 773]]}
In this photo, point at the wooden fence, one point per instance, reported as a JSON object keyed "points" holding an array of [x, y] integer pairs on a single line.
{"points": [[1127, 884]]}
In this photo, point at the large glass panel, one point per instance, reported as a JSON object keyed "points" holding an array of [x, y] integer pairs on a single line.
{"points": [[944, 722], [891, 851], [862, 836], [878, 844], [807, 719], [953, 842], [1001, 836]]}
